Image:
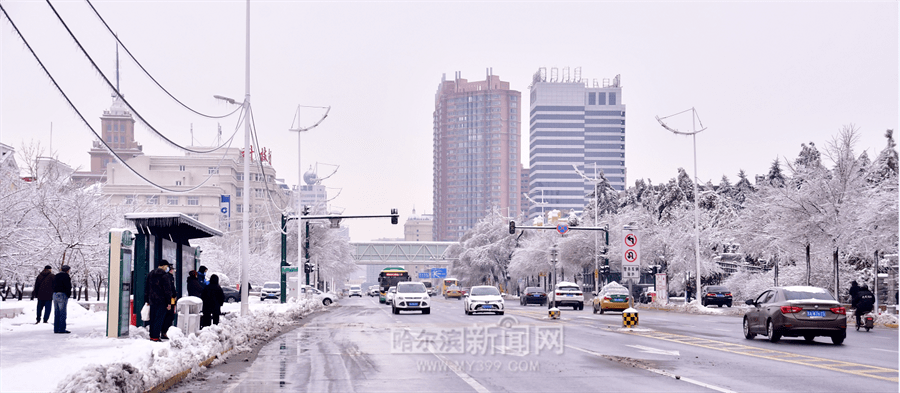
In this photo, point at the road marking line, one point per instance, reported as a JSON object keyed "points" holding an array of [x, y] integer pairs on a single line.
{"points": [[664, 373], [828, 364], [465, 377], [886, 350]]}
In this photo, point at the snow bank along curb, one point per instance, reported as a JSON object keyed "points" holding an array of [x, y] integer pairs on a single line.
{"points": [[183, 355]]}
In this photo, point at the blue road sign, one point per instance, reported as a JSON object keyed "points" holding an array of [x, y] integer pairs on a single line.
{"points": [[424, 275], [439, 272]]}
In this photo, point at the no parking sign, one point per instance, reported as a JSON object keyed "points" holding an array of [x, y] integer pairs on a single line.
{"points": [[631, 257]]}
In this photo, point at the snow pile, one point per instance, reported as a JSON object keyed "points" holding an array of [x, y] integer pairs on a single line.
{"points": [[885, 319], [694, 307], [88, 361]]}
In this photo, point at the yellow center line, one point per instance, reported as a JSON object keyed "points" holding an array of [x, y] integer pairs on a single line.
{"points": [[812, 361]]}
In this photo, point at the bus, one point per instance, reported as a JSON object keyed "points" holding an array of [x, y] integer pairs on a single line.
{"points": [[447, 283], [389, 277]]}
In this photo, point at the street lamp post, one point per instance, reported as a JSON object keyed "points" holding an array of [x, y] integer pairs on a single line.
{"points": [[554, 259], [695, 118]]}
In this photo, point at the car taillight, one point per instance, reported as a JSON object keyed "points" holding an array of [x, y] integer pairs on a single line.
{"points": [[711, 294], [727, 293], [839, 310], [558, 294], [606, 298], [579, 294], [790, 309]]}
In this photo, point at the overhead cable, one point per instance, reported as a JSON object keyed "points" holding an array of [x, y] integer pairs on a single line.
{"points": [[141, 66]]}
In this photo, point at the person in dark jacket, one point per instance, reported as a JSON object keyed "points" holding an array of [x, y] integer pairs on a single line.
{"points": [[854, 290], [193, 284], [213, 297], [201, 275], [62, 290], [160, 293], [170, 313], [43, 291], [863, 303]]}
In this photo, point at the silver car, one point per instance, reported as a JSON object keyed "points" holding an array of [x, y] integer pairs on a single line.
{"points": [[796, 312]]}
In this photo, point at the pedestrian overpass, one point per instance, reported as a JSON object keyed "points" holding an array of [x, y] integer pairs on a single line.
{"points": [[401, 253]]}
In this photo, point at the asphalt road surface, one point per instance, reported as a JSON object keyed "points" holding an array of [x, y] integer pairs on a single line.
{"points": [[359, 346]]}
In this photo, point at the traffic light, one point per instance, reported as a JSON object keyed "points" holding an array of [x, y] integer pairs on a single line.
{"points": [[394, 216], [307, 267], [512, 227], [305, 210]]}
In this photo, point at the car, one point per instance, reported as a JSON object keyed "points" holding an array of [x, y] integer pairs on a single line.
{"points": [[231, 295], [533, 295], [567, 294], [327, 298], [464, 290], [483, 298], [389, 296], [715, 294], [453, 291], [411, 296], [355, 290], [648, 294], [270, 290], [796, 311], [373, 290], [612, 296]]}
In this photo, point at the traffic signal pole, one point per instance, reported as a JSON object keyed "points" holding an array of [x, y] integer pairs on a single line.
{"points": [[562, 229]]}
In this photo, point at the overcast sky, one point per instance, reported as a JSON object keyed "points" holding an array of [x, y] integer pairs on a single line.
{"points": [[764, 78]]}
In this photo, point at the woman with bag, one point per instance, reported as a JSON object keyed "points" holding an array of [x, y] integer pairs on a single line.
{"points": [[212, 297]]}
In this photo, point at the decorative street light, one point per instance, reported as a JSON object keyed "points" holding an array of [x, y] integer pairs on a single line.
{"points": [[693, 135]]}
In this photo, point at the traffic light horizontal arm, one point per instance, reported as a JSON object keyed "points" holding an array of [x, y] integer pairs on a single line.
{"points": [[570, 228], [342, 216]]}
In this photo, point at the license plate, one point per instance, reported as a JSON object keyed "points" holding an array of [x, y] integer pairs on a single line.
{"points": [[618, 300], [720, 295], [536, 295], [487, 306], [570, 295], [414, 304], [815, 314]]}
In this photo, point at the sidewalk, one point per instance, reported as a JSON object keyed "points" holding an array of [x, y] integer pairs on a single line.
{"points": [[34, 359]]}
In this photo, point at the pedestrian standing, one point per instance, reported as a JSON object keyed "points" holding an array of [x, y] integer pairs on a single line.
{"points": [[160, 293], [201, 273], [854, 290], [43, 291], [193, 284], [213, 297], [170, 313], [62, 290]]}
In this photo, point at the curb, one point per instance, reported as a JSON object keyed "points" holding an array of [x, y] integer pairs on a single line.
{"points": [[182, 375]]}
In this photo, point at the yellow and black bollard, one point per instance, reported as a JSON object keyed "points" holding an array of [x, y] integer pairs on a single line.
{"points": [[629, 318], [554, 313]]}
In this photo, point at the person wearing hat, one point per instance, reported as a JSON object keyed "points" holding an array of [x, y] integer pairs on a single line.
{"points": [[62, 290], [160, 295], [43, 291]]}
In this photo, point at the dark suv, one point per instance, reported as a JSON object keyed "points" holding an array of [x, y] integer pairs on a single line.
{"points": [[717, 295], [533, 295]]}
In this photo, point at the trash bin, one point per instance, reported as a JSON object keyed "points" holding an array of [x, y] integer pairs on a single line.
{"points": [[189, 309]]}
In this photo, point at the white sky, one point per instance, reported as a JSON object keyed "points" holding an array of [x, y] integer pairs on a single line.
{"points": [[764, 77]]}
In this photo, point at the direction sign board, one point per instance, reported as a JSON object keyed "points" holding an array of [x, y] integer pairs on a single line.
{"points": [[289, 269], [439, 272], [424, 275], [631, 257]]}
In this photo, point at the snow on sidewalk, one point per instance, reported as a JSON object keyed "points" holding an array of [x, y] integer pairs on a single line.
{"points": [[34, 359]]}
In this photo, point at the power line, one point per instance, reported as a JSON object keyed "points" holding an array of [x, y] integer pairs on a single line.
{"points": [[77, 112], [111, 86], [141, 66]]}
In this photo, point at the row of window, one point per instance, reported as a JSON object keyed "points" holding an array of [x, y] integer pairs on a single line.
{"points": [[170, 200], [118, 126]]}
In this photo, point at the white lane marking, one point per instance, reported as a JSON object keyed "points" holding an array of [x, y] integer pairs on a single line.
{"points": [[465, 377], [886, 350], [654, 350], [723, 330], [665, 373]]}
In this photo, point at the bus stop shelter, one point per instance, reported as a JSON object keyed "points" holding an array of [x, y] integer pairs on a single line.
{"points": [[161, 235]]}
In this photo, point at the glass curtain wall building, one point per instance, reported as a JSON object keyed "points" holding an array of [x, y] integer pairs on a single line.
{"points": [[573, 122], [476, 153]]}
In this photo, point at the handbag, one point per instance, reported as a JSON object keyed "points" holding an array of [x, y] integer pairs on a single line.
{"points": [[145, 312]]}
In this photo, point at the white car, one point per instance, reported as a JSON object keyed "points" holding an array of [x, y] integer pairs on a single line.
{"points": [[483, 298], [411, 296], [389, 296], [270, 290], [567, 294], [325, 297], [355, 290]]}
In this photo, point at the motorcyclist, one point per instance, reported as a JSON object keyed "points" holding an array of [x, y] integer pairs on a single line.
{"points": [[863, 302]]}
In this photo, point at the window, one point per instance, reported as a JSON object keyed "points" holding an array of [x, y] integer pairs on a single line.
{"points": [[513, 98], [172, 200], [612, 98], [152, 199], [194, 216], [239, 208], [181, 168], [592, 98], [177, 182], [601, 98], [512, 110], [129, 199], [240, 176], [213, 170], [193, 201], [239, 192]]}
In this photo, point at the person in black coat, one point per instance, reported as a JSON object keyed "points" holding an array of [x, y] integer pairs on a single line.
{"points": [[854, 290], [213, 297], [62, 290], [160, 295], [193, 284], [43, 291], [863, 303], [170, 313]]}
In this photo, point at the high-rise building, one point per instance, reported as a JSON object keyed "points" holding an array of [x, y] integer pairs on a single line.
{"points": [[578, 123], [418, 228], [476, 152]]}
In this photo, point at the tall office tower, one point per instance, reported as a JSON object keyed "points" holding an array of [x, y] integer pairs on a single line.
{"points": [[476, 153], [573, 122]]}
